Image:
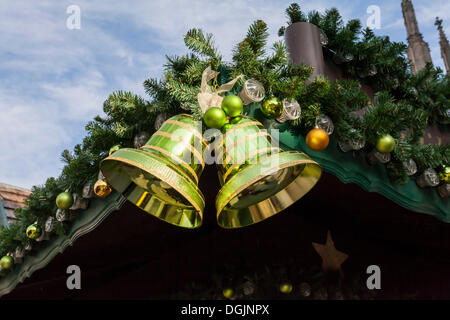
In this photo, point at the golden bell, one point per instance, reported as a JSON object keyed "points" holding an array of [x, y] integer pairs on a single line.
{"points": [[258, 178], [162, 176]]}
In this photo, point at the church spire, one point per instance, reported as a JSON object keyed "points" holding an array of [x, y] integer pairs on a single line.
{"points": [[418, 50], [445, 46]]}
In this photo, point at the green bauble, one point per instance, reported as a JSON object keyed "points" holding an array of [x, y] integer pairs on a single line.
{"points": [[215, 118], [235, 120], [272, 108], [64, 200], [286, 287], [6, 262], [228, 293], [34, 231], [232, 105], [385, 143], [114, 149], [226, 127]]}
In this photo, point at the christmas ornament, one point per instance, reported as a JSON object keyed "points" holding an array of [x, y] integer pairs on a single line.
{"points": [[286, 287], [61, 215], [102, 189], [141, 139], [429, 178], [305, 289], [6, 262], [323, 38], [114, 149], [255, 175], [324, 122], [226, 127], [162, 177], [410, 167], [332, 259], [354, 144], [215, 118], [228, 293], [79, 203], [44, 236], [291, 111], [348, 57], [34, 231], [385, 143], [317, 139], [88, 190], [235, 120], [447, 113], [344, 146], [444, 175], [253, 91], [49, 224], [232, 105], [18, 255], [160, 119], [64, 200], [372, 71], [375, 156], [272, 108], [444, 190], [183, 106], [28, 247]]}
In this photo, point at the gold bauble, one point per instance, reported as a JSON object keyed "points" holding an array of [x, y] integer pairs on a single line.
{"points": [[286, 287], [317, 139], [102, 189], [445, 174], [228, 293]]}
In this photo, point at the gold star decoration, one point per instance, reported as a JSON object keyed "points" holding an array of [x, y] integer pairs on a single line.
{"points": [[332, 259]]}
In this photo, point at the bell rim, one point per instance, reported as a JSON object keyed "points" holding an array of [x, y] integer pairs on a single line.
{"points": [[119, 158], [302, 158]]}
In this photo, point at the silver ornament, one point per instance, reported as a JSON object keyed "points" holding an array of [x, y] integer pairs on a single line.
{"points": [[49, 224], [323, 37], [358, 144], [18, 255], [429, 178], [28, 247], [375, 156], [324, 122], [160, 119], [444, 190], [348, 57], [185, 106], [372, 71], [253, 91], [447, 113], [291, 111], [410, 167], [43, 237], [141, 139]]}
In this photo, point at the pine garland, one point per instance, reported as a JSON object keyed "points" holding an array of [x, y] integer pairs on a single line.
{"points": [[403, 107]]}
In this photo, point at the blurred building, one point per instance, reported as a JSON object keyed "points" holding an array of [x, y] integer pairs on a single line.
{"points": [[11, 198]]}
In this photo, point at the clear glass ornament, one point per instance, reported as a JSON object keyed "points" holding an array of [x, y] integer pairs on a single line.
{"points": [[61, 215], [185, 106], [141, 139], [291, 111], [323, 38], [79, 203], [160, 119], [305, 289], [410, 167], [345, 146], [429, 178], [358, 144], [88, 190], [374, 157], [28, 247], [49, 224], [444, 190], [372, 71], [253, 91], [19, 252], [324, 122], [43, 237], [447, 113], [348, 57]]}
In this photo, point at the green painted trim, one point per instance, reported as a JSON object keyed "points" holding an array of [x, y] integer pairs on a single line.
{"points": [[92, 217]]}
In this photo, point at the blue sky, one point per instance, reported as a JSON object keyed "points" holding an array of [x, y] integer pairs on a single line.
{"points": [[53, 80]]}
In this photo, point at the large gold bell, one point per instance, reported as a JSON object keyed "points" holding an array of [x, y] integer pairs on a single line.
{"points": [[162, 177], [258, 178]]}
